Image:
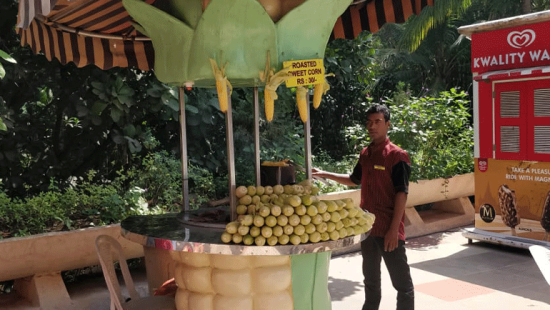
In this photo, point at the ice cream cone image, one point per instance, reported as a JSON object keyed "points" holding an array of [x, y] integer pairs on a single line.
{"points": [[508, 210]]}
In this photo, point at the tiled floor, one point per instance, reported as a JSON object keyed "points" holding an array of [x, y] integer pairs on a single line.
{"points": [[452, 289], [451, 274]]}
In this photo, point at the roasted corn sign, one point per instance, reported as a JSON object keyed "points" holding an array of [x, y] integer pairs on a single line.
{"points": [[305, 72], [513, 198]]}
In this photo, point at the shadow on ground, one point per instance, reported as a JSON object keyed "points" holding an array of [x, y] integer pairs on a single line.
{"points": [[342, 288], [501, 268]]}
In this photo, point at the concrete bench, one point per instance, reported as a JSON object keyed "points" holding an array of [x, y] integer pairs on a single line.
{"points": [[36, 262], [451, 206]]}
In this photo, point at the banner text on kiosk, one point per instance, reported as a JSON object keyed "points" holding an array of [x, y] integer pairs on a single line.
{"points": [[305, 72]]}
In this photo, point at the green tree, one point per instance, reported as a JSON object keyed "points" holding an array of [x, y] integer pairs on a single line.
{"points": [[431, 17], [442, 61], [64, 121], [353, 63], [8, 58]]}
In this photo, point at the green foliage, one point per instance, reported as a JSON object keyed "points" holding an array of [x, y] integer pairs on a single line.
{"points": [[160, 177], [280, 139], [79, 206], [161, 181], [441, 61], [324, 162], [431, 17], [6, 57], [496, 9], [353, 63], [435, 131], [154, 187]]}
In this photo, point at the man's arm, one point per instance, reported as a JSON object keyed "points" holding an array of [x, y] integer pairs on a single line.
{"points": [[350, 180], [392, 236], [400, 179], [341, 178]]}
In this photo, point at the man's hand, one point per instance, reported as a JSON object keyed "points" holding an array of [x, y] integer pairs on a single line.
{"points": [[391, 240], [319, 173], [315, 171]]}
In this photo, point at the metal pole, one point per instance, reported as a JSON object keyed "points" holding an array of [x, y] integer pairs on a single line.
{"points": [[230, 158], [183, 145], [257, 135], [307, 140]]}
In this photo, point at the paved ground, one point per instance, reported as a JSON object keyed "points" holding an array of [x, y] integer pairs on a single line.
{"points": [[448, 274], [451, 274]]}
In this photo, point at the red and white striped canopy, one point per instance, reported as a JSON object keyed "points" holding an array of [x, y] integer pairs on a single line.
{"points": [[85, 32], [371, 15]]}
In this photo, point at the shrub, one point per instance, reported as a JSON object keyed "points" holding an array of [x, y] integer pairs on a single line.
{"points": [[76, 207], [435, 131], [160, 177]]}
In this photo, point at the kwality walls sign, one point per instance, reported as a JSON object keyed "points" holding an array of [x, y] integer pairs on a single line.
{"points": [[517, 47]]}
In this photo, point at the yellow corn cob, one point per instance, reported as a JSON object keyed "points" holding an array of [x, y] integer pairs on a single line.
{"points": [[272, 81], [317, 95], [222, 83], [269, 105], [301, 102], [320, 90], [270, 91]]}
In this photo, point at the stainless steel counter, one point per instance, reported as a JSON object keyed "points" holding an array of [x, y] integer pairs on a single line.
{"points": [[169, 233]]}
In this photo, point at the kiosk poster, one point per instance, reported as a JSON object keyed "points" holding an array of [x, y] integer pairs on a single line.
{"points": [[513, 197]]}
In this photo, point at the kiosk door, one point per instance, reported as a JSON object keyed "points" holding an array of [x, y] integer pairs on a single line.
{"points": [[522, 120]]}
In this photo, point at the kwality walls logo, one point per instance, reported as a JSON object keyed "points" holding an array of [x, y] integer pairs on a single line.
{"points": [[526, 46], [518, 39]]}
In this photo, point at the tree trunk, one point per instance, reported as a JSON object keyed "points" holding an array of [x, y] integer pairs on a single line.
{"points": [[526, 6]]}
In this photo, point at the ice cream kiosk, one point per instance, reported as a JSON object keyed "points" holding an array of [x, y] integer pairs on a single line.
{"points": [[511, 83]]}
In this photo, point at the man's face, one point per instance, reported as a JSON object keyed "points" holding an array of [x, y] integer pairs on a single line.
{"points": [[377, 127]]}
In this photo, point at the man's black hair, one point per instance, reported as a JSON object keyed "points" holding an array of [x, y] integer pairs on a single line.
{"points": [[379, 108]]}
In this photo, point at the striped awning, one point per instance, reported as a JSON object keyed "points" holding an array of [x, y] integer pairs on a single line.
{"points": [[371, 15], [100, 32], [85, 32]]}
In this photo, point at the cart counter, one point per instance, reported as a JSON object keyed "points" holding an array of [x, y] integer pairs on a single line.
{"points": [[212, 275]]}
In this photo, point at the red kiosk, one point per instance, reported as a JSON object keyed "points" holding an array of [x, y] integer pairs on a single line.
{"points": [[511, 73]]}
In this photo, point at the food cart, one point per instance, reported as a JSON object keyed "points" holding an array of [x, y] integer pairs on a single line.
{"points": [[215, 50], [212, 275], [209, 43], [511, 74]]}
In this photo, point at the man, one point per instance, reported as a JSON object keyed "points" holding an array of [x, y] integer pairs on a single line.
{"points": [[383, 171]]}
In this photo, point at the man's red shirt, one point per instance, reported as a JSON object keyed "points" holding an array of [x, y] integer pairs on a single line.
{"points": [[382, 170]]}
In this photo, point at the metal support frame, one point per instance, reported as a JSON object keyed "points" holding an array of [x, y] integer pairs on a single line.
{"points": [[183, 146], [257, 136], [230, 158], [307, 140]]}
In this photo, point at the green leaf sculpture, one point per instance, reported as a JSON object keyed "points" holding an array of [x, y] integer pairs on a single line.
{"points": [[237, 32]]}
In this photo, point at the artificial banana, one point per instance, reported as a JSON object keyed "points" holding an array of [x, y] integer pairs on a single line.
{"points": [[222, 83]]}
